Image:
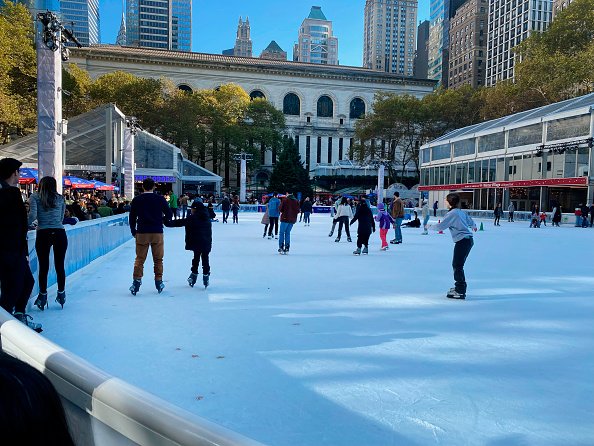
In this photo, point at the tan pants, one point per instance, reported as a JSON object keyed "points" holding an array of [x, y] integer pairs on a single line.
{"points": [[155, 241]]}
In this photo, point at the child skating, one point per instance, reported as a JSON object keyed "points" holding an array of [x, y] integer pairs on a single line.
{"points": [[198, 239], [461, 227], [385, 222], [366, 227]]}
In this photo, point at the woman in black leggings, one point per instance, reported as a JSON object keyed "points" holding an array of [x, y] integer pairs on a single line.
{"points": [[48, 207]]}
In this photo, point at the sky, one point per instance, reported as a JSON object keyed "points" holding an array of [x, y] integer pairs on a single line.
{"points": [[324, 348], [215, 23]]}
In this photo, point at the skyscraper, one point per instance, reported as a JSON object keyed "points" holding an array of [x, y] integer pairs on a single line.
{"points": [[510, 22], [440, 12], [273, 52], [82, 17], [315, 43], [162, 24], [421, 64], [243, 41], [468, 45], [390, 34]]}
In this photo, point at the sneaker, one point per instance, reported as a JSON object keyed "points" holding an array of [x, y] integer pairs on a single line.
{"points": [[456, 295], [357, 252], [192, 279], [159, 285], [205, 280], [365, 250], [135, 286], [28, 321]]}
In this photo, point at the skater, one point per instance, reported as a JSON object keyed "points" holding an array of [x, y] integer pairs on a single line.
{"points": [[147, 212], [384, 220], [498, 212], [289, 209], [585, 212], [235, 209], [226, 207], [366, 227], [343, 215], [183, 201], [414, 223], [398, 216], [265, 221], [48, 208], [211, 212], [425, 215], [556, 215], [273, 214], [16, 279], [435, 206], [460, 224], [173, 204], [543, 218], [333, 212], [198, 239], [306, 210], [510, 212]]}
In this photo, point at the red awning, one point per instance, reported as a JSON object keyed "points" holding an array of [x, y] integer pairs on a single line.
{"points": [[578, 181]]}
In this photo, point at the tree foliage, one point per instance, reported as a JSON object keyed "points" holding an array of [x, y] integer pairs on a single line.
{"points": [[289, 174], [18, 72]]}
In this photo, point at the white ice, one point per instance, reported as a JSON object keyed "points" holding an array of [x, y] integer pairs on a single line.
{"points": [[321, 347]]}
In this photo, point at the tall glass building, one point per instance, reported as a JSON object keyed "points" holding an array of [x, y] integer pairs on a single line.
{"points": [[161, 24], [81, 16]]}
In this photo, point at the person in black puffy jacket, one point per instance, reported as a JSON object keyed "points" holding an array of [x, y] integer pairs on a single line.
{"points": [[198, 239]]}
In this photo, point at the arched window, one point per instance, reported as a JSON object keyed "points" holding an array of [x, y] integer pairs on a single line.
{"points": [[257, 94], [185, 88], [357, 108], [291, 104], [325, 107]]}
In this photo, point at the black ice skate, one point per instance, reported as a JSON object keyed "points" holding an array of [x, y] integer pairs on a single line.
{"points": [[159, 285], [357, 252], [205, 280], [365, 250], [135, 286], [41, 301], [192, 279], [61, 298], [28, 321], [456, 295]]}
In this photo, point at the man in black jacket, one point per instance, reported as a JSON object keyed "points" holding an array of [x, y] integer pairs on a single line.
{"points": [[198, 239], [16, 280], [147, 212]]}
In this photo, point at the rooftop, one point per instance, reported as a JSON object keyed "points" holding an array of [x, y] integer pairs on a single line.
{"points": [[316, 13]]}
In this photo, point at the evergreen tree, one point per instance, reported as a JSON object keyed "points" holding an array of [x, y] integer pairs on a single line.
{"points": [[288, 174]]}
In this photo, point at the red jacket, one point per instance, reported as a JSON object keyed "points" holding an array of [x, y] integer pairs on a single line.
{"points": [[289, 209]]}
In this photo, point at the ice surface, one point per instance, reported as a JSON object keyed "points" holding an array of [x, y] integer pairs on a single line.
{"points": [[321, 347]]}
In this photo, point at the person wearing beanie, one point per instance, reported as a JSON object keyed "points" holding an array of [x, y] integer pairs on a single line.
{"points": [[198, 239], [16, 279], [366, 226], [425, 213], [385, 221]]}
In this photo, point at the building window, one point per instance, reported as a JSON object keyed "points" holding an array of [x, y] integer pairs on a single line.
{"points": [[319, 151], [357, 108], [257, 94], [325, 107], [291, 105]]}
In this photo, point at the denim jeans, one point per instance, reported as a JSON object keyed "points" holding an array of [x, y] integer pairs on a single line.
{"points": [[425, 221], [398, 229], [306, 217], [284, 236]]}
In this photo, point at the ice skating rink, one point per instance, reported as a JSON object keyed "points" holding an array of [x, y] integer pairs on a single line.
{"points": [[324, 348]]}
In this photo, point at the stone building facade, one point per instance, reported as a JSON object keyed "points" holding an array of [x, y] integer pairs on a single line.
{"points": [[321, 103]]}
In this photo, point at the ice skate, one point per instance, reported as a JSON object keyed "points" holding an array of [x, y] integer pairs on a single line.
{"points": [[135, 286], [349, 239], [41, 301], [331, 234], [337, 239], [393, 241], [357, 252], [205, 279], [159, 285], [384, 248], [192, 279], [61, 298], [456, 295], [365, 250], [28, 321]]}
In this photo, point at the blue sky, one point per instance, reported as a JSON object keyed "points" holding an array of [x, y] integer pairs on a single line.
{"points": [[215, 23]]}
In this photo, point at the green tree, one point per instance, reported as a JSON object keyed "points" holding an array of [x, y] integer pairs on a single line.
{"points": [[289, 174], [76, 84], [18, 72]]}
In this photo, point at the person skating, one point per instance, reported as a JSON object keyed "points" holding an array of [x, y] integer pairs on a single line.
{"points": [[147, 212], [461, 227], [333, 212], [198, 239], [426, 216], [16, 279], [48, 208], [225, 207], [498, 213], [306, 210], [343, 215], [235, 209], [510, 212], [413, 223], [173, 204], [273, 214], [366, 226], [435, 207], [385, 221], [265, 221], [289, 210], [398, 216]]}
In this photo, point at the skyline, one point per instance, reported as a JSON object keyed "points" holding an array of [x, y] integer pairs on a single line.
{"points": [[218, 21]]}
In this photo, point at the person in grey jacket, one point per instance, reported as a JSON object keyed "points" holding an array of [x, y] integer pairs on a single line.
{"points": [[273, 215], [461, 227], [48, 208]]}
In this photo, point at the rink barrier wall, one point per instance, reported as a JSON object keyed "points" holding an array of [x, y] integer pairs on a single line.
{"points": [[103, 410], [567, 218]]}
